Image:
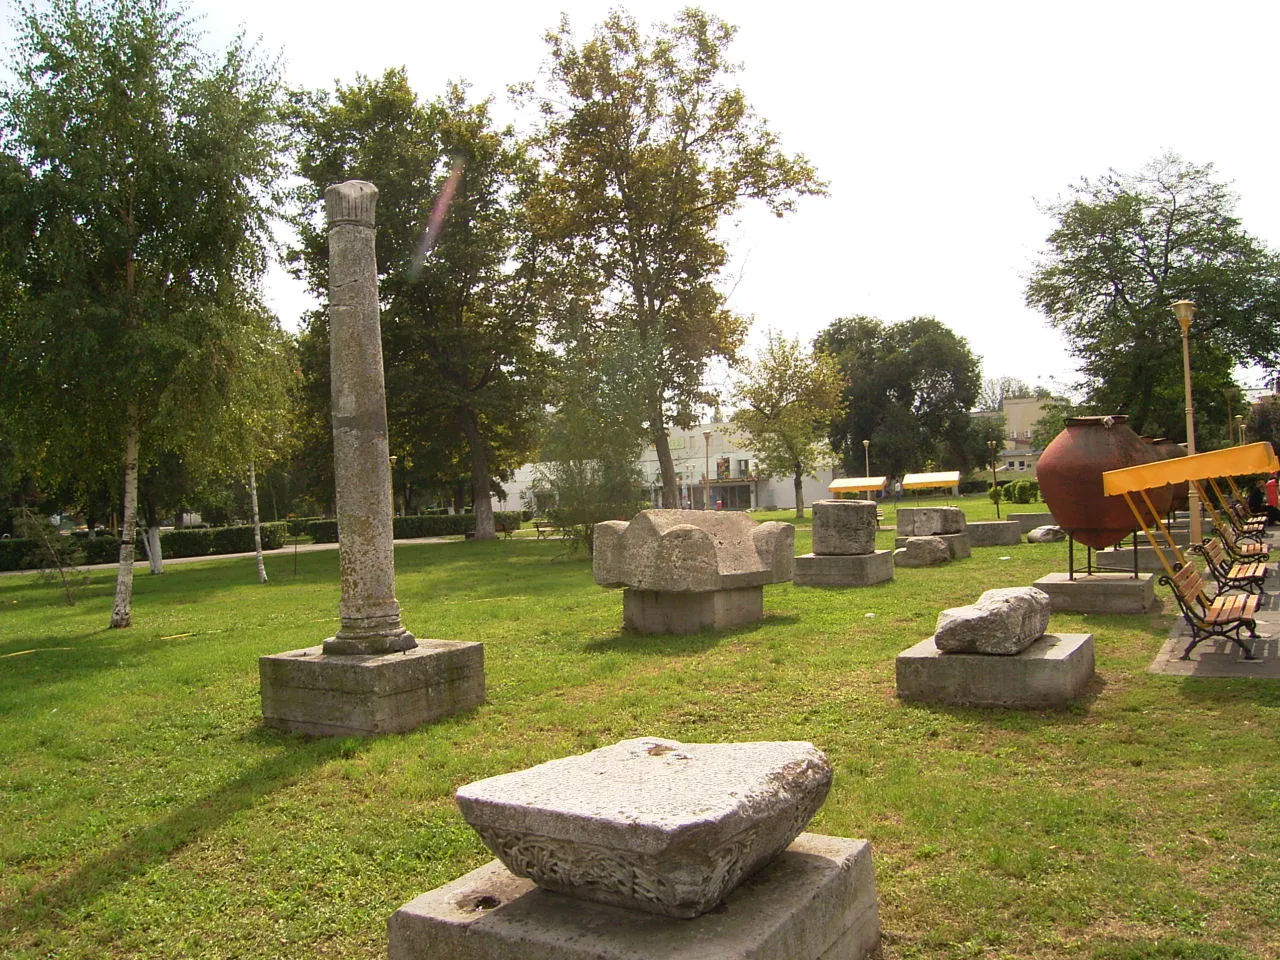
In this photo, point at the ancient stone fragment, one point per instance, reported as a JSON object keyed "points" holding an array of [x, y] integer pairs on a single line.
{"points": [[844, 527], [1046, 534], [1004, 621], [922, 552], [929, 521], [650, 824]]}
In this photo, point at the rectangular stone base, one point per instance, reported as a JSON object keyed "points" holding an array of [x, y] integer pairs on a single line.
{"points": [[814, 901], [1049, 673], [307, 691], [662, 611], [1100, 592], [1029, 521], [1121, 558], [994, 533], [852, 570]]}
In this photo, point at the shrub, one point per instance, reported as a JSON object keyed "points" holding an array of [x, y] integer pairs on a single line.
{"points": [[298, 525], [14, 553], [187, 542], [103, 548], [240, 539], [993, 494], [435, 525], [323, 531]]}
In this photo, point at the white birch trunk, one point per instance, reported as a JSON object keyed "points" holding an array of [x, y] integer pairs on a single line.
{"points": [[154, 554], [122, 610], [257, 524]]}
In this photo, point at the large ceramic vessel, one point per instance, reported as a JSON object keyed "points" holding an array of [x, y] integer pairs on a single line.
{"points": [[1168, 450], [1070, 474]]}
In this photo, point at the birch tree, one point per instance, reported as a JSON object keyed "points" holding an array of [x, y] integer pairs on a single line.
{"points": [[150, 166]]}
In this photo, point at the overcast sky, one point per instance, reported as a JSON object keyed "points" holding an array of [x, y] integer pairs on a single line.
{"points": [[939, 126]]}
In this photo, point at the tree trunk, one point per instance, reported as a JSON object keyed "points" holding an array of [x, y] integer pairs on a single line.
{"points": [[257, 524], [799, 483], [152, 544], [481, 482], [662, 446], [122, 611]]}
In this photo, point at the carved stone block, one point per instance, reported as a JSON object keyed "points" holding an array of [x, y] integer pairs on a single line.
{"points": [[650, 824]]}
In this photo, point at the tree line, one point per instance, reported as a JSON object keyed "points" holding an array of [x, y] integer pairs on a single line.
{"points": [[550, 294]]}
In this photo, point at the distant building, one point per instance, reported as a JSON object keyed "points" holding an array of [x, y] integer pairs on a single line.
{"points": [[1018, 458], [711, 463]]}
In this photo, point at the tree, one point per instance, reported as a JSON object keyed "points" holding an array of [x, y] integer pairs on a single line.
{"points": [[1125, 247], [786, 400], [646, 150], [1263, 422], [911, 387], [464, 367], [996, 390], [150, 166]]}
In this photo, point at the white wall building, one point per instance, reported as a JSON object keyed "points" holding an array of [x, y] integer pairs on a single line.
{"points": [[709, 459]]}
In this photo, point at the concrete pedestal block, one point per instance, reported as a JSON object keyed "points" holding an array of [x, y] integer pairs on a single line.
{"points": [[814, 901], [1121, 558], [930, 521], [1049, 673], [1029, 521], [994, 533], [308, 691], [859, 570], [1100, 592], [662, 611]]}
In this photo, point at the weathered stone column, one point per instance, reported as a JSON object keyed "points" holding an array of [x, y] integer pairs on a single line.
{"points": [[369, 610]]}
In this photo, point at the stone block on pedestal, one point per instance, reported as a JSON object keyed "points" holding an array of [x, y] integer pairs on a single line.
{"points": [[1049, 673], [311, 692], [1100, 592], [1122, 558], [815, 901], [994, 533], [842, 527], [930, 521], [862, 570], [669, 611], [922, 552]]}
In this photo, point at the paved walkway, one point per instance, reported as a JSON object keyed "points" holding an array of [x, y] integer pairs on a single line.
{"points": [[1222, 658]]}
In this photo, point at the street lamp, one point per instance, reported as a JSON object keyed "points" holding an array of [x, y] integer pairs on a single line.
{"points": [[393, 458], [706, 473], [1240, 427], [866, 462], [995, 490], [1184, 310]]}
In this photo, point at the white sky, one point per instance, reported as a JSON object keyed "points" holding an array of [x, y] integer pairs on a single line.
{"points": [[938, 124]]}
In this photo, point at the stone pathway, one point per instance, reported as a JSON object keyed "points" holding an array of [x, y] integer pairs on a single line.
{"points": [[1222, 658]]}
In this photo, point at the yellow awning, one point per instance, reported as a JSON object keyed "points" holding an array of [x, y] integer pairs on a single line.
{"points": [[1231, 462], [922, 481], [856, 484]]}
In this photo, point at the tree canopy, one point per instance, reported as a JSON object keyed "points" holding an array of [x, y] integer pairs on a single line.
{"points": [[646, 148], [786, 400], [911, 386], [1125, 246], [148, 174], [464, 368]]}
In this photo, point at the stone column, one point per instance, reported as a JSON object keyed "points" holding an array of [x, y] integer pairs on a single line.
{"points": [[369, 610]]}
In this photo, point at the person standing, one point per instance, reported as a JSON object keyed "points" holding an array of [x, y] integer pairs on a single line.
{"points": [[1273, 499]]}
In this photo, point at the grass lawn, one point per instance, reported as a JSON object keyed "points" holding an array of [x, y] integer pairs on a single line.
{"points": [[145, 812]]}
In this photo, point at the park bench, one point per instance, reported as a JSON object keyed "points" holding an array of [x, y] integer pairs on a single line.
{"points": [[1247, 576], [1239, 550], [1245, 527], [1222, 616], [546, 529]]}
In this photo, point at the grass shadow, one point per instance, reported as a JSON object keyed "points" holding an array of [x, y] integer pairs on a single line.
{"points": [[58, 903], [1072, 713], [629, 641]]}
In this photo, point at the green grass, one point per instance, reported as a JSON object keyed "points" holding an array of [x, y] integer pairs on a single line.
{"points": [[147, 813]]}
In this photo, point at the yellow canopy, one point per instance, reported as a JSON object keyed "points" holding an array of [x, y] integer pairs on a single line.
{"points": [[922, 481], [856, 484], [1231, 462]]}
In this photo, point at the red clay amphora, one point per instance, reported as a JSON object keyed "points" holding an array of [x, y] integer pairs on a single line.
{"points": [[1070, 474]]}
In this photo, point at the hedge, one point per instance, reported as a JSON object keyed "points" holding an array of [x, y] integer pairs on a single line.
{"points": [[18, 554], [426, 525]]}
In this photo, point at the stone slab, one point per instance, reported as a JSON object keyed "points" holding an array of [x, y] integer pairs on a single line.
{"points": [[650, 824], [860, 570], [815, 901], [930, 521], [958, 544], [1100, 592], [660, 611], [1029, 521], [921, 552], [1049, 673], [1121, 558], [844, 527], [994, 533], [308, 691], [1004, 622]]}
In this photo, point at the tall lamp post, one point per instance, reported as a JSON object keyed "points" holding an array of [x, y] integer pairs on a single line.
{"points": [[995, 496], [1240, 428], [866, 462], [1184, 310], [393, 458], [706, 473]]}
